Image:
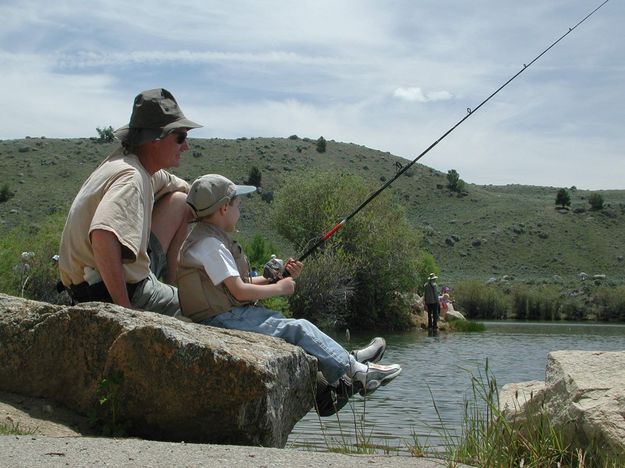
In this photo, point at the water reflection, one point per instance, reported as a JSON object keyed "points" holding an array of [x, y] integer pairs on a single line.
{"points": [[438, 369]]}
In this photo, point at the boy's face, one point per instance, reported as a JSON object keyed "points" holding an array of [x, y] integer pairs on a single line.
{"points": [[231, 216]]}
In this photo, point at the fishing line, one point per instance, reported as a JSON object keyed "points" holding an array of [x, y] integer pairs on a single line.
{"points": [[470, 112]]}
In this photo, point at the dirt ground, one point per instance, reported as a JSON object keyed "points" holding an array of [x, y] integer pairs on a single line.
{"points": [[41, 417]]}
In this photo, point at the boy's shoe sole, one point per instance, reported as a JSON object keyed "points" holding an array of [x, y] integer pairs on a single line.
{"points": [[373, 352]]}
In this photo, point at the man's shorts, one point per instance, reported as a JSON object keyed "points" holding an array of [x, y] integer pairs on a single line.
{"points": [[153, 295]]}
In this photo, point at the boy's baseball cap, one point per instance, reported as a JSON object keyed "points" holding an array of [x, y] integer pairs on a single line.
{"points": [[155, 114], [211, 191]]}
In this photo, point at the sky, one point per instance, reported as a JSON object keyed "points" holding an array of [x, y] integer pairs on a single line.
{"points": [[391, 75]]}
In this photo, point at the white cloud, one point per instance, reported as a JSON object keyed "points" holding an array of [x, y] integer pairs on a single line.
{"points": [[354, 71], [415, 94]]}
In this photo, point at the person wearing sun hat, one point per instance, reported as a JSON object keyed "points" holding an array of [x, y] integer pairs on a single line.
{"points": [[126, 225], [431, 301], [215, 288]]}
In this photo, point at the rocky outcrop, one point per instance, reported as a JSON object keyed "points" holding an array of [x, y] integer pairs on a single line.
{"points": [[155, 376], [583, 395]]}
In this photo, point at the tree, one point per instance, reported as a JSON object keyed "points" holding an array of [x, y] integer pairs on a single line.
{"points": [[454, 182], [254, 177], [105, 135], [259, 250], [321, 145], [563, 198], [5, 193], [596, 201], [370, 262]]}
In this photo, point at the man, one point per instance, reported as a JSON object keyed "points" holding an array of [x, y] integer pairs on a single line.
{"points": [[431, 301], [128, 221]]}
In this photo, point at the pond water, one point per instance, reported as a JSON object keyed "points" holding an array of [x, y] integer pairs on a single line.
{"points": [[439, 368]]}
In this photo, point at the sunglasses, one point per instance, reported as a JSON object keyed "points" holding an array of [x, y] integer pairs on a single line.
{"points": [[181, 137]]}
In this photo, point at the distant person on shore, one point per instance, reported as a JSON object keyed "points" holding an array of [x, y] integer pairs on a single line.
{"points": [[125, 227], [431, 301], [215, 289], [444, 300]]}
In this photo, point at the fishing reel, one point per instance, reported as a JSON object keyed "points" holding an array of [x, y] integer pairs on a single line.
{"points": [[274, 269]]}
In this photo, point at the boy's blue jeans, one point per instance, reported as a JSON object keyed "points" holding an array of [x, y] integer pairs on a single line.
{"points": [[333, 358]]}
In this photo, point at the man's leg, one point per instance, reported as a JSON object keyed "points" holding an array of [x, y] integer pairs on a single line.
{"points": [[170, 217]]}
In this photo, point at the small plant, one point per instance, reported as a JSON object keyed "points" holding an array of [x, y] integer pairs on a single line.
{"points": [[454, 182], [105, 135], [23, 270], [13, 428], [254, 177], [321, 145], [563, 199], [596, 201], [5, 193], [110, 401]]}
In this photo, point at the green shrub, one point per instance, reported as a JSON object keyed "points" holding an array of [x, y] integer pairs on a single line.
{"points": [[454, 182], [479, 300], [5, 193], [563, 198], [321, 145], [379, 243], [105, 135], [596, 201], [611, 303], [535, 303], [259, 251], [254, 177], [325, 289]]}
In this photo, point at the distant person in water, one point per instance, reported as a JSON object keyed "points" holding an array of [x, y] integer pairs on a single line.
{"points": [[431, 301]]}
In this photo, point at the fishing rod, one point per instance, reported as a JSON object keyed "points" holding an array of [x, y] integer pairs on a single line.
{"points": [[470, 112]]}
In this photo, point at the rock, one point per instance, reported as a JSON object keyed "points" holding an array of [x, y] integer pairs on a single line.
{"points": [[583, 395], [476, 242], [450, 242], [583, 276], [452, 315], [164, 378], [598, 277]]}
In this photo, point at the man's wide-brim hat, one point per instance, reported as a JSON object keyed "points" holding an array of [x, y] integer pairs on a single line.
{"points": [[155, 114], [432, 277]]}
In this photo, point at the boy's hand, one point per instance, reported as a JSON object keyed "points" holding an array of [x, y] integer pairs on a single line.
{"points": [[294, 267], [287, 286]]}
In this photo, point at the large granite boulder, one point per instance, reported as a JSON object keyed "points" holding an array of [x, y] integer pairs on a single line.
{"points": [[155, 376], [583, 395]]}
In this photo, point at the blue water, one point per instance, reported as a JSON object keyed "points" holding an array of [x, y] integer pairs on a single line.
{"points": [[439, 368]]}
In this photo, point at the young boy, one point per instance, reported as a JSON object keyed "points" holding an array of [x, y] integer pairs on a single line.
{"points": [[215, 288]]}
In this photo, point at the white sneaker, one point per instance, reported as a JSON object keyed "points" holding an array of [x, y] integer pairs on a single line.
{"points": [[376, 376]]}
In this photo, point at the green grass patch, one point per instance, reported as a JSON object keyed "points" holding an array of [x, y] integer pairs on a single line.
{"points": [[11, 428], [467, 326], [488, 438]]}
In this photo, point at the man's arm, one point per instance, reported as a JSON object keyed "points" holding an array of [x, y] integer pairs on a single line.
{"points": [[107, 251]]}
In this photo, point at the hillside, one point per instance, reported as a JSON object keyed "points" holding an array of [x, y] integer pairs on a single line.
{"points": [[493, 231]]}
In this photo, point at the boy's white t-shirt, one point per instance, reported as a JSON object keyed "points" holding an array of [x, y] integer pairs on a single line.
{"points": [[212, 255]]}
